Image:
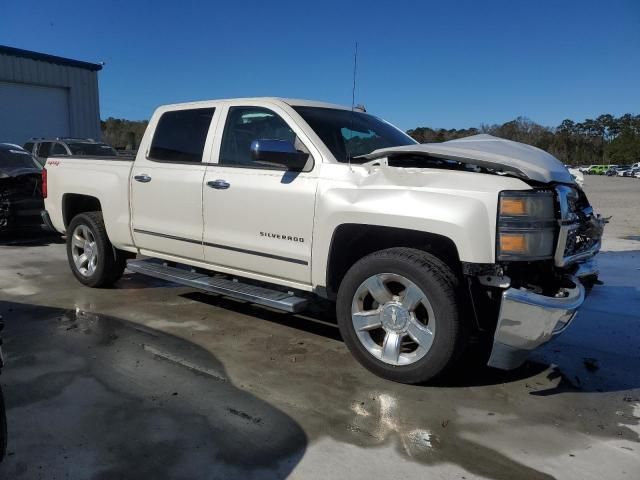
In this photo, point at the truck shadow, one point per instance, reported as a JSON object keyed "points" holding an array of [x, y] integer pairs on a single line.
{"points": [[319, 319], [32, 237], [574, 368], [91, 396]]}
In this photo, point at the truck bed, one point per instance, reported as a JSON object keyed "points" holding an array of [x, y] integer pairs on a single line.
{"points": [[103, 178]]}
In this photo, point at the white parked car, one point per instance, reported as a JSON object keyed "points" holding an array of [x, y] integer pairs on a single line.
{"points": [[423, 248], [620, 170], [577, 175]]}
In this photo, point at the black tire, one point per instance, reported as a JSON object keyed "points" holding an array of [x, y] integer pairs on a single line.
{"points": [[111, 262], [441, 286]]}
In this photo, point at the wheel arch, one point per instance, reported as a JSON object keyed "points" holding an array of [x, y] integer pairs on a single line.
{"points": [[352, 241], [76, 203]]}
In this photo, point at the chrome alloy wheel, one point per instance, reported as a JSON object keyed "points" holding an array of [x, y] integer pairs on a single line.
{"points": [[393, 319], [84, 250]]}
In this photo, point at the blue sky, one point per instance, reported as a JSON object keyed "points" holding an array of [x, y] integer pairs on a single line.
{"points": [[421, 63]]}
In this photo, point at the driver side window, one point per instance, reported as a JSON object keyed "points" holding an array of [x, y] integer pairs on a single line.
{"points": [[246, 124]]}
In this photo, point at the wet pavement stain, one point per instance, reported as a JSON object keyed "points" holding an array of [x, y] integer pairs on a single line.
{"points": [[113, 422]]}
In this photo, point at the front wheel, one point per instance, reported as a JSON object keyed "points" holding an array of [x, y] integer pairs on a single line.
{"points": [[92, 258], [399, 313]]}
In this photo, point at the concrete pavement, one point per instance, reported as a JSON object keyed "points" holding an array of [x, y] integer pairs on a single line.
{"points": [[153, 380]]}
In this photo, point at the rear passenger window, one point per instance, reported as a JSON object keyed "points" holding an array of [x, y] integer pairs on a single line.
{"points": [[44, 149], [58, 149], [180, 135]]}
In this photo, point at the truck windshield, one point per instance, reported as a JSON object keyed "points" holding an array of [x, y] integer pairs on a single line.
{"points": [[94, 149], [352, 134]]}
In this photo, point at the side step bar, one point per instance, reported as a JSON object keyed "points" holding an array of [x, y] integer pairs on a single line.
{"points": [[285, 301]]}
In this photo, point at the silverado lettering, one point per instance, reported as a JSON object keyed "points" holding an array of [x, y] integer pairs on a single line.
{"points": [[282, 237]]}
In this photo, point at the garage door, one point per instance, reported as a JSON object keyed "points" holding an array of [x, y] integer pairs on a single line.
{"points": [[32, 111]]}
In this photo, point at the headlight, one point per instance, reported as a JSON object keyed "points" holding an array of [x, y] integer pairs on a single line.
{"points": [[526, 226]]}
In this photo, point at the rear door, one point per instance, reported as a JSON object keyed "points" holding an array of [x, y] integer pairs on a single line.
{"points": [[166, 184]]}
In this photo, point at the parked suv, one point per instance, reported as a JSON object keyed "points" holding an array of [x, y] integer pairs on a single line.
{"points": [[598, 169], [66, 146]]}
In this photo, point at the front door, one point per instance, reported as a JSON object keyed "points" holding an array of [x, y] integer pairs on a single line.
{"points": [[259, 219], [166, 185]]}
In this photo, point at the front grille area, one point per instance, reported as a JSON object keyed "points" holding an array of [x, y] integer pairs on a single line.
{"points": [[581, 229], [582, 238]]}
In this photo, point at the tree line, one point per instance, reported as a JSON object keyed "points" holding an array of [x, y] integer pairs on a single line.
{"points": [[607, 139], [123, 134]]}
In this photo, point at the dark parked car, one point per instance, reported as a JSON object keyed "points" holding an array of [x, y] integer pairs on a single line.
{"points": [[21, 201], [43, 148]]}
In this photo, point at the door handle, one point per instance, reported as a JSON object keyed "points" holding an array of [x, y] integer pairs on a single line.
{"points": [[144, 178], [219, 184]]}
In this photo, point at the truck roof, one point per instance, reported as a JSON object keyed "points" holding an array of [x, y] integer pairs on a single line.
{"points": [[289, 101]]}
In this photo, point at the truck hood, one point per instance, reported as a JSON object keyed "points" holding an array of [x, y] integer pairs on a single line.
{"points": [[491, 152]]}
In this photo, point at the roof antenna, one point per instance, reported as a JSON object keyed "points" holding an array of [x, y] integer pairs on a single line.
{"points": [[353, 98]]}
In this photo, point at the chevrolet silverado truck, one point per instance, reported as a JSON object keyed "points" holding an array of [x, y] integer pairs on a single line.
{"points": [[426, 249]]}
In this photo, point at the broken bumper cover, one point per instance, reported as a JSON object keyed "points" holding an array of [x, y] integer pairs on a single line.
{"points": [[527, 320]]}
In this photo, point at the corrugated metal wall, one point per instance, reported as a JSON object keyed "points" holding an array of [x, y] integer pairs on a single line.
{"points": [[84, 107]]}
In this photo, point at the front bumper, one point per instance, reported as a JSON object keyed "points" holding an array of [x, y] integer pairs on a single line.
{"points": [[527, 320]]}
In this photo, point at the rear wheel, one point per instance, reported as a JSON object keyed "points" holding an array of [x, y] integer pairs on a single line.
{"points": [[92, 258], [398, 312]]}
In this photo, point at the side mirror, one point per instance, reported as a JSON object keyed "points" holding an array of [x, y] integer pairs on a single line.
{"points": [[279, 153]]}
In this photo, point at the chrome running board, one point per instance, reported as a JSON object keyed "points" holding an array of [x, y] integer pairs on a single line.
{"points": [[267, 297]]}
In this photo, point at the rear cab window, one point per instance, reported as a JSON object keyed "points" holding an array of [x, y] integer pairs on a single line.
{"points": [[180, 136]]}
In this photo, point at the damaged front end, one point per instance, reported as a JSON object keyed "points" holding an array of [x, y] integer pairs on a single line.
{"points": [[21, 200], [536, 300]]}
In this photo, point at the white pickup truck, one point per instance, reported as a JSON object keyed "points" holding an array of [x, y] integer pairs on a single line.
{"points": [[424, 248]]}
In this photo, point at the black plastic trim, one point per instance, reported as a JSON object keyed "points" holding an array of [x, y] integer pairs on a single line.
{"points": [[223, 247]]}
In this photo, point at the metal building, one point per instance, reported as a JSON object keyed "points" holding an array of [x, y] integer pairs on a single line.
{"points": [[47, 96]]}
